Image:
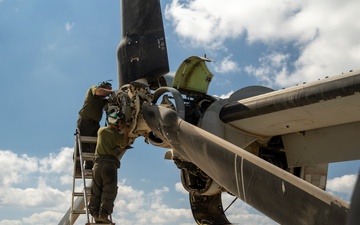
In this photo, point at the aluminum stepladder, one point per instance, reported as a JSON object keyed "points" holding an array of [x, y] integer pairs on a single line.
{"points": [[79, 205]]}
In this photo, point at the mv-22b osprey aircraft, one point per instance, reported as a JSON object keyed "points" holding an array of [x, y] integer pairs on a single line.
{"points": [[271, 149]]}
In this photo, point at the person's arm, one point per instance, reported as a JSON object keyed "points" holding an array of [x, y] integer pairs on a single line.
{"points": [[126, 131], [103, 91], [121, 149]]}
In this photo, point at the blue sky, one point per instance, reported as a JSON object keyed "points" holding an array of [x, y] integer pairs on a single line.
{"points": [[52, 51]]}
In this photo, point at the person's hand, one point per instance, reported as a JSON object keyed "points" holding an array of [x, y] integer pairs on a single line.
{"points": [[126, 128]]}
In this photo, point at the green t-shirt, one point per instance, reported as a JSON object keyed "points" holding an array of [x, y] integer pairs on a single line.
{"points": [[93, 105], [110, 143]]}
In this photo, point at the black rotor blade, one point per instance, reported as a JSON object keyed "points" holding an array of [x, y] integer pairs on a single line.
{"points": [[142, 51]]}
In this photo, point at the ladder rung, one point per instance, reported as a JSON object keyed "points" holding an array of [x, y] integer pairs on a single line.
{"points": [[78, 193], [100, 223], [88, 156], [81, 194], [88, 172], [88, 139], [88, 192], [78, 212], [88, 176]]}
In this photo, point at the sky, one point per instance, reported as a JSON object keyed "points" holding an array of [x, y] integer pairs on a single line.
{"points": [[51, 52]]}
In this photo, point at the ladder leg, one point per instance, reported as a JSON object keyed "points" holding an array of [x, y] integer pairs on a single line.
{"points": [[79, 158], [83, 178]]}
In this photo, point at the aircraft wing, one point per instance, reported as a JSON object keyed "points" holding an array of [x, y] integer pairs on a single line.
{"points": [[324, 103], [318, 122]]}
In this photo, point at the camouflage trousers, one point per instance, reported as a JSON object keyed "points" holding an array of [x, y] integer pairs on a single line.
{"points": [[90, 128], [87, 127]]}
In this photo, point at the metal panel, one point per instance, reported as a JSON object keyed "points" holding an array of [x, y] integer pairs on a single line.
{"points": [[193, 76], [329, 144]]}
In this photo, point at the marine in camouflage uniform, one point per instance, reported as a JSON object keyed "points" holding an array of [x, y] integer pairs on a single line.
{"points": [[111, 146], [90, 115]]}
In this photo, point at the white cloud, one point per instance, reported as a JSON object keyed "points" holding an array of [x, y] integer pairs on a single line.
{"points": [[180, 188], [25, 180], [58, 163], [129, 199], [40, 196], [226, 65], [14, 168], [132, 206], [273, 68], [157, 198], [48, 217], [344, 185], [224, 96], [136, 207], [227, 95], [323, 34], [69, 26], [205, 22], [10, 222]]}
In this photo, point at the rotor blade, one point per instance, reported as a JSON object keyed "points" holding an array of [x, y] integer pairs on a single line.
{"points": [[276, 193], [142, 51]]}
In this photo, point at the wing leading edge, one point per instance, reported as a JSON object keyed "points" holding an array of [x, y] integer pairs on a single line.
{"points": [[331, 102]]}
